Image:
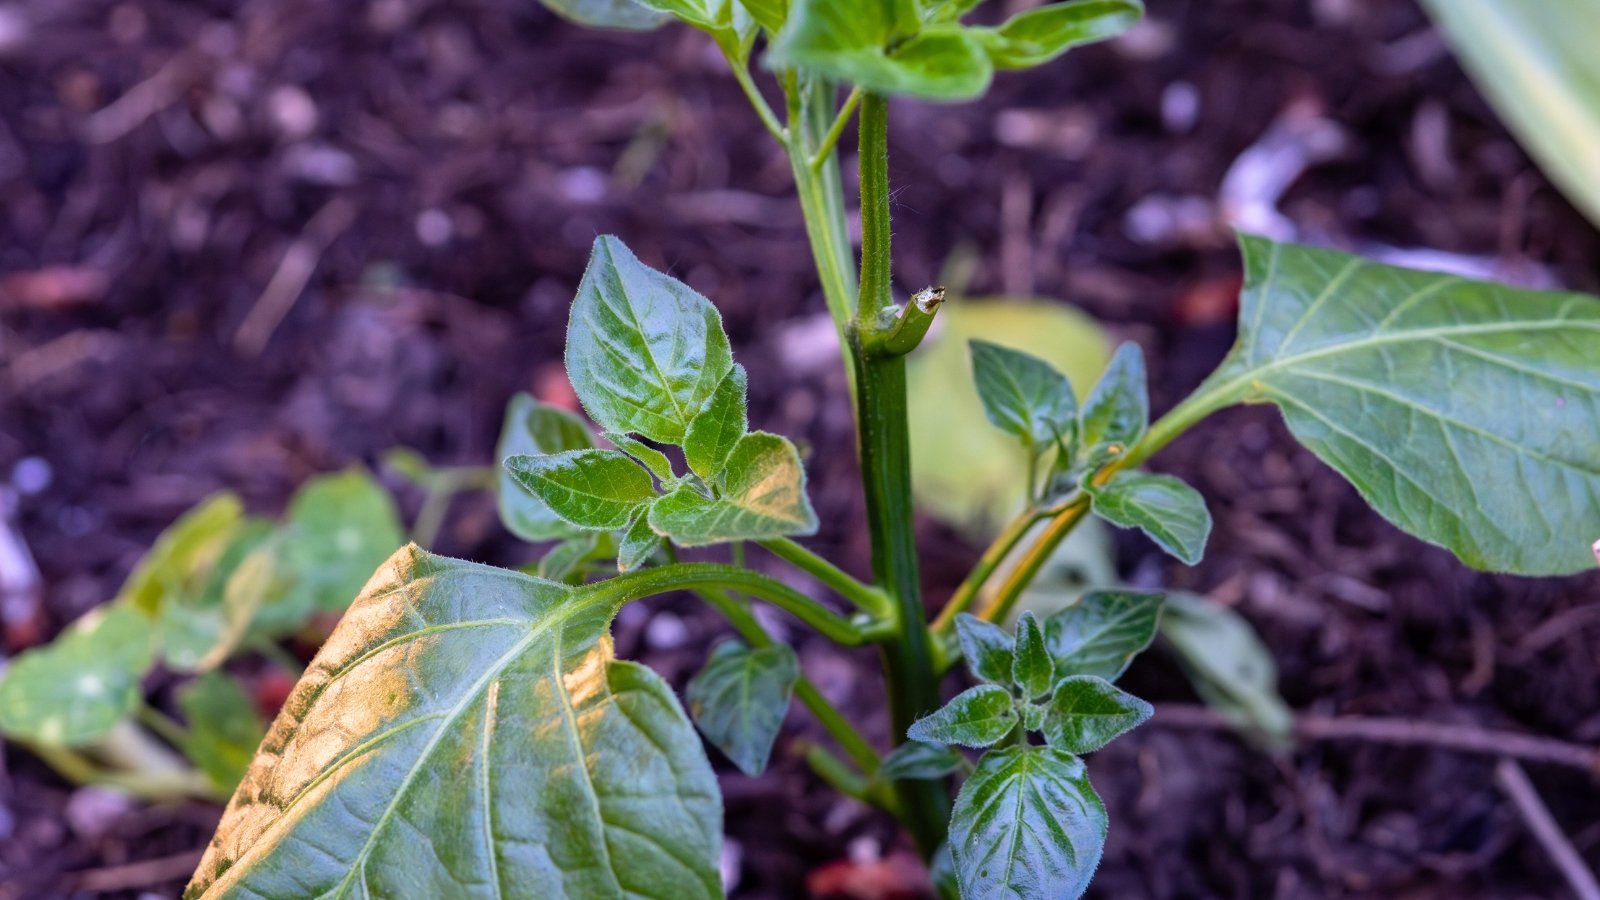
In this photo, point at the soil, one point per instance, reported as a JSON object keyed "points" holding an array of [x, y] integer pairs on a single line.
{"points": [[170, 173]]}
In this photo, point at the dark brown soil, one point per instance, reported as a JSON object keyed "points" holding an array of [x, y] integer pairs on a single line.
{"points": [[446, 166]]}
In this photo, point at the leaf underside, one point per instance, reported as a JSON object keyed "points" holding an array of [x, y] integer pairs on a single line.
{"points": [[466, 732]]}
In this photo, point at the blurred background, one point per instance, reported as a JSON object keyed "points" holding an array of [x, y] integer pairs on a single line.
{"points": [[246, 242]]}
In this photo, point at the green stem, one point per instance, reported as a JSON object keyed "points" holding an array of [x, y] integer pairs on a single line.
{"points": [[163, 725], [864, 597], [885, 449], [689, 576], [741, 74], [838, 727], [991, 559], [1033, 560], [840, 122]]}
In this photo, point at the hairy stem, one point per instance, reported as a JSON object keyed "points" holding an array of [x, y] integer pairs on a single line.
{"points": [[864, 597], [885, 449], [840, 122], [690, 576]]}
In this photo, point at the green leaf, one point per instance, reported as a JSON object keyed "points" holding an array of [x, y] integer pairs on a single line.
{"points": [[1170, 512], [1536, 64], [184, 555], [918, 761], [466, 732], [1038, 36], [1087, 713], [1032, 670], [850, 40], [717, 429], [770, 13], [950, 10], [224, 728], [600, 490], [621, 14], [1102, 633], [1027, 824], [739, 700], [1467, 413], [763, 496], [989, 651], [649, 457], [567, 558], [199, 627], [963, 471], [73, 690], [1118, 409], [534, 429], [976, 717], [338, 529], [644, 350], [1023, 394], [638, 544], [1229, 665]]}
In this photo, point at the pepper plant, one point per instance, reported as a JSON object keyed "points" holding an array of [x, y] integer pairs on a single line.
{"points": [[467, 730]]}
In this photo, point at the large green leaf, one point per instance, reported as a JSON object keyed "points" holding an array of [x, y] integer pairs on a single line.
{"points": [[976, 717], [224, 728], [876, 44], [1037, 36], [623, 14], [1537, 64], [739, 700], [1172, 513], [763, 495], [1101, 633], [600, 490], [1027, 824], [644, 350], [1467, 413], [466, 732], [75, 689], [338, 529], [1023, 395], [532, 429]]}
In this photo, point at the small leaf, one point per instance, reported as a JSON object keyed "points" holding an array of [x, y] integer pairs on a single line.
{"points": [[644, 350], [949, 10], [1229, 665], [850, 41], [1032, 669], [918, 761], [739, 700], [639, 543], [534, 429], [184, 554], [1027, 824], [763, 496], [567, 558], [338, 529], [1101, 633], [717, 429], [224, 728], [1118, 409], [1170, 512], [647, 456], [770, 13], [1039, 35], [625, 15], [467, 728], [600, 490], [1466, 413], [988, 649], [199, 626], [1022, 394], [73, 690], [976, 717], [1087, 713]]}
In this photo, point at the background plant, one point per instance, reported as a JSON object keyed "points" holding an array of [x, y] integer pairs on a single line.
{"points": [[1226, 394]]}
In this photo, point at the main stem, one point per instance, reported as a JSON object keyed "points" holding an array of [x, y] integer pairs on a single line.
{"points": [[885, 449]]}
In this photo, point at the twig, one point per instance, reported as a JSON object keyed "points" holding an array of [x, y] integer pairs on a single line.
{"points": [[293, 273], [1514, 782], [1406, 733], [143, 874]]}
